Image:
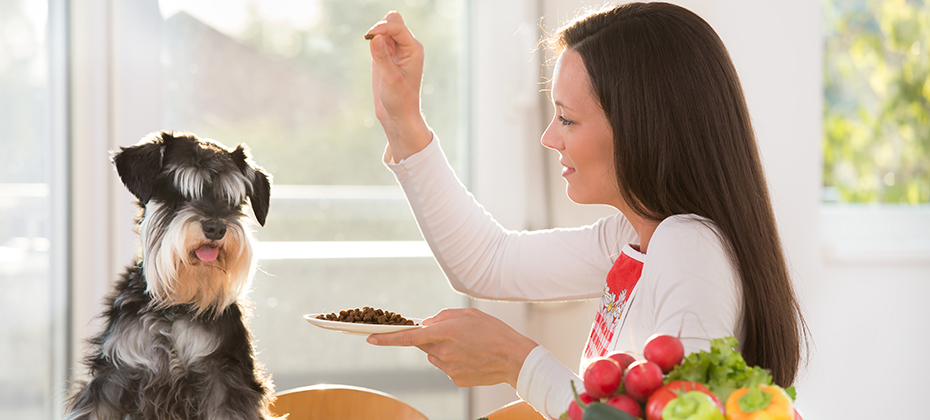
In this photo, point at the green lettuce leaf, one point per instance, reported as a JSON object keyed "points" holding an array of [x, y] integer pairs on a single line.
{"points": [[722, 369]]}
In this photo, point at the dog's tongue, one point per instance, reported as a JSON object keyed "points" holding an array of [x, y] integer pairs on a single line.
{"points": [[207, 253]]}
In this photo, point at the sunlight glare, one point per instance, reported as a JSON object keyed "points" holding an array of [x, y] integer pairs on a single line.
{"points": [[232, 17]]}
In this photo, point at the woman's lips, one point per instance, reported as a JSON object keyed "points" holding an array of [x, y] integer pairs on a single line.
{"points": [[567, 170]]}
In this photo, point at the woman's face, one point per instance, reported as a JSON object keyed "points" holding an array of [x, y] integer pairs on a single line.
{"points": [[579, 131]]}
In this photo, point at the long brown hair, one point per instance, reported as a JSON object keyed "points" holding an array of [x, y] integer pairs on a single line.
{"points": [[684, 144]]}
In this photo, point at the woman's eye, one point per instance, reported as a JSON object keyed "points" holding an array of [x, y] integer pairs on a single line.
{"points": [[564, 121]]}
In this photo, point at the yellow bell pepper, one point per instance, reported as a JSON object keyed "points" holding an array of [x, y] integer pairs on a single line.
{"points": [[759, 402]]}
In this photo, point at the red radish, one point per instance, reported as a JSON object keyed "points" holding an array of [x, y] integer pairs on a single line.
{"points": [[602, 378], [671, 390], [664, 350], [623, 358], [627, 404], [641, 379], [574, 411]]}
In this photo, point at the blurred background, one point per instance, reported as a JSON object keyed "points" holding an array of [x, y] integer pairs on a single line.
{"points": [[839, 93]]}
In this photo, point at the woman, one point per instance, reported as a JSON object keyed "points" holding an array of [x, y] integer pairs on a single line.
{"points": [[650, 119]]}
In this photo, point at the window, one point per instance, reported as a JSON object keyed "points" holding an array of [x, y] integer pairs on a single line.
{"points": [[32, 209], [877, 101], [292, 80], [876, 141]]}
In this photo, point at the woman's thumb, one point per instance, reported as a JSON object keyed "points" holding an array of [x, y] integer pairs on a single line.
{"points": [[378, 49], [381, 55]]}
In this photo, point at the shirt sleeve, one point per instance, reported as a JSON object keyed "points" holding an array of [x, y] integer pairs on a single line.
{"points": [[545, 383], [482, 259]]}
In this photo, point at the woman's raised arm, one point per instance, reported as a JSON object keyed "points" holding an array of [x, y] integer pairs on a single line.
{"points": [[396, 75]]}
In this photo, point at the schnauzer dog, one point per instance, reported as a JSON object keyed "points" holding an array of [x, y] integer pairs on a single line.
{"points": [[175, 344]]}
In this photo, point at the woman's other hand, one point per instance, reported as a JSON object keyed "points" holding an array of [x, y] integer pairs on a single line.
{"points": [[396, 75], [470, 346]]}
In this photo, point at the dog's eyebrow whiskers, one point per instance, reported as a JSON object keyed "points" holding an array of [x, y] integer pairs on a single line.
{"points": [[233, 187], [190, 181]]}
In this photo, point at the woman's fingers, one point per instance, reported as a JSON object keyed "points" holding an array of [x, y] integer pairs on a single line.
{"points": [[419, 337], [455, 313], [408, 338], [470, 346], [393, 26]]}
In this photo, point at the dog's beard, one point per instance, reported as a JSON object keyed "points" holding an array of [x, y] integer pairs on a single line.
{"points": [[174, 274]]}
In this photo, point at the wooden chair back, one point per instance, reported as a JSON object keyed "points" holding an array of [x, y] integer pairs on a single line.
{"points": [[341, 402], [517, 410]]}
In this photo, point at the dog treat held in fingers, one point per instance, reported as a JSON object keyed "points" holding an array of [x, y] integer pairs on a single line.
{"points": [[367, 315]]}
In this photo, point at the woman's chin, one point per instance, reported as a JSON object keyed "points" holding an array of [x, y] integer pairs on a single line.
{"points": [[579, 197], [576, 196]]}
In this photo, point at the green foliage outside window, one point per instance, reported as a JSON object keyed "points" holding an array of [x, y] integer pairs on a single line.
{"points": [[877, 101]]}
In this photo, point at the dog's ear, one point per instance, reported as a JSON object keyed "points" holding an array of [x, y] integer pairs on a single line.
{"points": [[260, 195], [260, 182], [138, 165]]}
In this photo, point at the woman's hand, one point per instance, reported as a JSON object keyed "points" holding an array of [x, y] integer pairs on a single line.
{"points": [[470, 346], [396, 75]]}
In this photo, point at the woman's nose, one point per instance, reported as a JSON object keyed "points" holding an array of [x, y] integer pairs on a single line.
{"points": [[550, 138]]}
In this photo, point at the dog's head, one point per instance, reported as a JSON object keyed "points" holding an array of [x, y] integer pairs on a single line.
{"points": [[197, 246]]}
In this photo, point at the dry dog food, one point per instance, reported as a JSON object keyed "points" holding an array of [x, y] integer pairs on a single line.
{"points": [[367, 315]]}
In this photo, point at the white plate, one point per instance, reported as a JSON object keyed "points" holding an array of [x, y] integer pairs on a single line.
{"points": [[359, 329]]}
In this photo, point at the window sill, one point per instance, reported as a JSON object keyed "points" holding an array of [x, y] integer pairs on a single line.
{"points": [[875, 234]]}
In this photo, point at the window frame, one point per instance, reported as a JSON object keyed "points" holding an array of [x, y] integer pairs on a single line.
{"points": [[875, 234]]}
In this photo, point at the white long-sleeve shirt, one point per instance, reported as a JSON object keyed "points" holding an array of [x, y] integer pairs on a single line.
{"points": [[688, 284]]}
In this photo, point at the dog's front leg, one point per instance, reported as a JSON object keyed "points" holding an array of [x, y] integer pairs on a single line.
{"points": [[238, 389], [98, 399], [235, 397]]}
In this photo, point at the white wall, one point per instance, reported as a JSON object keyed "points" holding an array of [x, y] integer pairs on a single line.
{"points": [[868, 312]]}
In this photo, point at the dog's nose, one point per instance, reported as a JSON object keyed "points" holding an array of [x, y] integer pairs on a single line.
{"points": [[213, 229]]}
